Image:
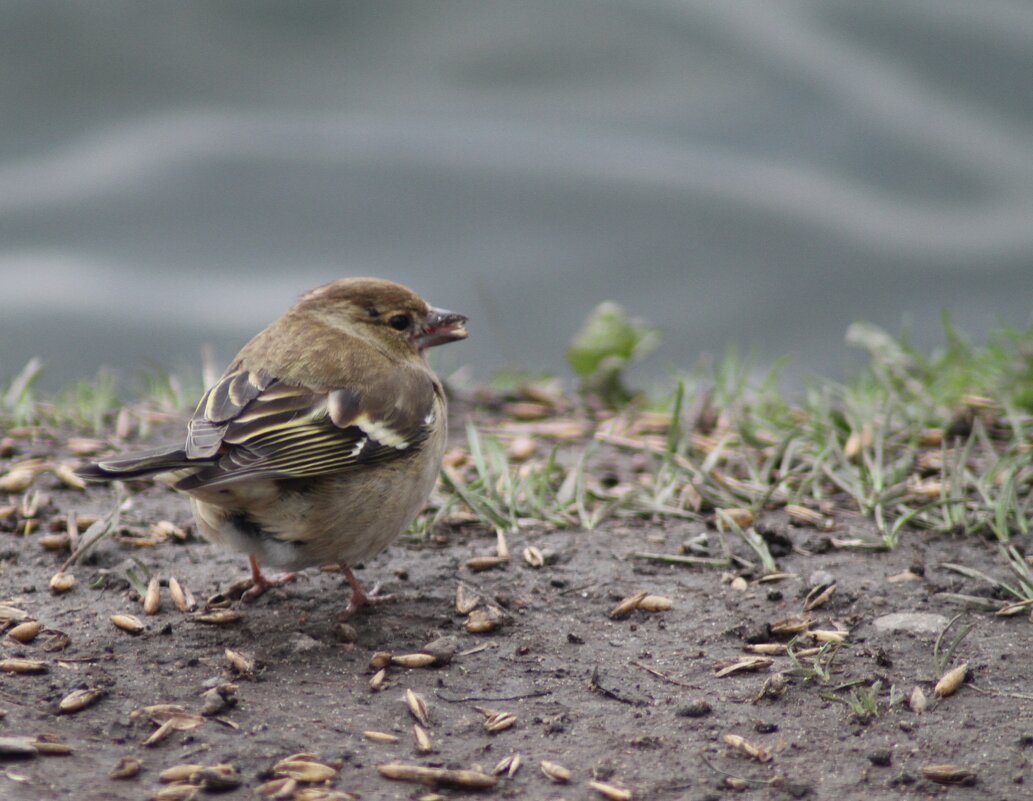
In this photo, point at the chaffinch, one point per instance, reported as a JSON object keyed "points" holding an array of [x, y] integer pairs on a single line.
{"points": [[323, 438]]}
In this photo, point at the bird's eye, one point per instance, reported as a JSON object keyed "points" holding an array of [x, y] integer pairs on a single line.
{"points": [[400, 322]]}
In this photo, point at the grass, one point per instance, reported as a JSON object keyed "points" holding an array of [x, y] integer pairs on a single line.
{"points": [[939, 442]]}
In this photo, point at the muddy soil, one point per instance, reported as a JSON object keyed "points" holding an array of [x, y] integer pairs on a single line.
{"points": [[635, 703]]}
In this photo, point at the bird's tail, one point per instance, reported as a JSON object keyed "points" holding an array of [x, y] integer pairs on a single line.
{"points": [[135, 465]]}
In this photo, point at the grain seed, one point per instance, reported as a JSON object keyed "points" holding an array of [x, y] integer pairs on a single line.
{"points": [[182, 599], [740, 744], [16, 665], [219, 617], [278, 788], [794, 624], [508, 765], [17, 480], [483, 621], [160, 734], [499, 721], [129, 623], [501, 545], [533, 556], [304, 771], [745, 664], [818, 596], [26, 632], [462, 779], [78, 700], [82, 446], [380, 736], [739, 516], [739, 584], [768, 648], [481, 563], [377, 682], [177, 792], [423, 743], [219, 778], [627, 606], [804, 516], [655, 603], [417, 707], [240, 663], [55, 542], [949, 774], [61, 582], [126, 768], [413, 660], [51, 745], [555, 772], [918, 702], [466, 599], [380, 660], [152, 598], [610, 792], [950, 681], [179, 773], [829, 635]]}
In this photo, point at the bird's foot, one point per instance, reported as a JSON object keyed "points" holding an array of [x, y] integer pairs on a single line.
{"points": [[360, 597], [260, 583]]}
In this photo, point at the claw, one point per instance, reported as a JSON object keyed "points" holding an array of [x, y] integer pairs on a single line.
{"points": [[259, 583]]}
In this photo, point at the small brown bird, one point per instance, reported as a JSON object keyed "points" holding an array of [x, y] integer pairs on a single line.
{"points": [[323, 438]]}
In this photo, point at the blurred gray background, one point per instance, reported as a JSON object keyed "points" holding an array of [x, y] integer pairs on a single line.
{"points": [[760, 173]]}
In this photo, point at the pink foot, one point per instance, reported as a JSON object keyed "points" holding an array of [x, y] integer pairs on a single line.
{"points": [[360, 597], [259, 583]]}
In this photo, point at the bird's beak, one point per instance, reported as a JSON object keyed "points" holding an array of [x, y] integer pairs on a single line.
{"points": [[442, 326]]}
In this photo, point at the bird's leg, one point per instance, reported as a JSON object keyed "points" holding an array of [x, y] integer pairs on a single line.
{"points": [[259, 583], [360, 597]]}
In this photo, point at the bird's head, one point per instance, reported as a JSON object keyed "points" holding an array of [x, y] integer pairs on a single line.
{"points": [[385, 312]]}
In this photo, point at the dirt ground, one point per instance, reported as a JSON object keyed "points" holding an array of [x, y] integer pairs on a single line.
{"points": [[635, 703]]}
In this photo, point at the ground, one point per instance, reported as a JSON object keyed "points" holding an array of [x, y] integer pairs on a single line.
{"points": [[636, 703]]}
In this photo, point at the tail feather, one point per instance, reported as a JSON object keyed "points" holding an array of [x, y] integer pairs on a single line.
{"points": [[136, 465]]}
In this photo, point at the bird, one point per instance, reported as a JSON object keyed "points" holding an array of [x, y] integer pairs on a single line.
{"points": [[323, 438]]}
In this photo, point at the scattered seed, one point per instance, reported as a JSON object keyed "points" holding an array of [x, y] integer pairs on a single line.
{"points": [[740, 516], [499, 721], [522, 448], [278, 788], [55, 542], [16, 665], [219, 617], [152, 598], [67, 476], [417, 707], [795, 624], [950, 681], [11, 614], [466, 599], [481, 563], [501, 545], [26, 632], [745, 664], [177, 792], [380, 736], [380, 660], [508, 765], [78, 700], [61, 582], [805, 516], [627, 606], [768, 648], [126, 768], [129, 623], [82, 446], [949, 774], [482, 621], [740, 744], [830, 635], [655, 603], [51, 745], [304, 771], [423, 743], [533, 556], [179, 596], [462, 779], [413, 660], [555, 772], [179, 773], [17, 480], [160, 734], [219, 778], [610, 792], [240, 663], [377, 682], [918, 702], [858, 441], [819, 596]]}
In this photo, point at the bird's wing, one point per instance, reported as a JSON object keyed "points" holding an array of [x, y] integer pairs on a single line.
{"points": [[252, 426]]}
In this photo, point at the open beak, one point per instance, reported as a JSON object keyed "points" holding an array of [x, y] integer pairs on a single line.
{"points": [[442, 326]]}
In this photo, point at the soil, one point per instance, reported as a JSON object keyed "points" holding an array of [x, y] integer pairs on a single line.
{"points": [[635, 703]]}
